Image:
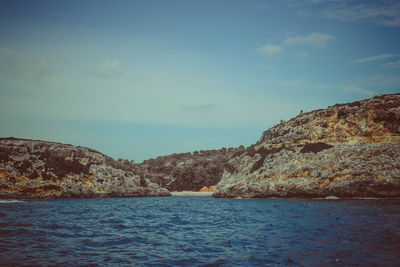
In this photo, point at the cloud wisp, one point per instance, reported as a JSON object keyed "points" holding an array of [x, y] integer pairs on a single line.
{"points": [[374, 58], [301, 54], [315, 39], [35, 70], [199, 108], [17, 65], [385, 12], [108, 68], [270, 49], [355, 89], [393, 64]]}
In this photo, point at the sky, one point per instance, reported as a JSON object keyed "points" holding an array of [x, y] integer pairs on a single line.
{"points": [[140, 79]]}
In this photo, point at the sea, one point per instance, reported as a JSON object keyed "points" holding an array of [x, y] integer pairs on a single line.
{"points": [[200, 231]]}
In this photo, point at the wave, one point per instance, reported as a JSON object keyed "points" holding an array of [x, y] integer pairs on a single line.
{"points": [[10, 201], [355, 198], [328, 198], [191, 194], [332, 197]]}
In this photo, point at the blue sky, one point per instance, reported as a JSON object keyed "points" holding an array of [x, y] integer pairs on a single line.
{"points": [[139, 79]]}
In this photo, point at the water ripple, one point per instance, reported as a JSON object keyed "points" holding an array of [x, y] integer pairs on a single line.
{"points": [[200, 231]]}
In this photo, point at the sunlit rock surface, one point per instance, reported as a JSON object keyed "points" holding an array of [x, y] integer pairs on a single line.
{"points": [[208, 189], [347, 150], [39, 169]]}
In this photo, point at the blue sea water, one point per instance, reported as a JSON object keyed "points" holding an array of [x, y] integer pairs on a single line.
{"points": [[200, 231]]}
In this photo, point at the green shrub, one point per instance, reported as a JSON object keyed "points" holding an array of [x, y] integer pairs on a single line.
{"points": [[238, 153], [33, 175], [229, 168], [251, 151], [61, 167], [22, 166], [259, 163], [388, 117], [314, 147], [143, 182], [264, 152], [4, 156]]}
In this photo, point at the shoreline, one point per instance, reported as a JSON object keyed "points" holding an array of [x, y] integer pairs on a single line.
{"points": [[200, 194], [190, 194]]}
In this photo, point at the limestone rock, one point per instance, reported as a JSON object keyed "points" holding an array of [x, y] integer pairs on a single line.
{"points": [[347, 150], [208, 189], [39, 169]]}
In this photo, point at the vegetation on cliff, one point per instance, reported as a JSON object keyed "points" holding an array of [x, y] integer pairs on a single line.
{"points": [[348, 150], [39, 169], [185, 171], [345, 150]]}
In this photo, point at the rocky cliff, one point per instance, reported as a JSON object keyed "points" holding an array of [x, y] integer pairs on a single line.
{"points": [[346, 150], [39, 169]]}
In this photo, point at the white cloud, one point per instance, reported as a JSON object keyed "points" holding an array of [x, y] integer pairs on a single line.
{"points": [[108, 67], [393, 64], [373, 58], [199, 108], [303, 84], [387, 12], [318, 1], [6, 51], [269, 68], [383, 12], [35, 70], [301, 54], [355, 89], [17, 66], [395, 22], [316, 39], [269, 49]]}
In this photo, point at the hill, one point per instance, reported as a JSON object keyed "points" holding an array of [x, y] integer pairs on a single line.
{"points": [[187, 171], [346, 150], [39, 169]]}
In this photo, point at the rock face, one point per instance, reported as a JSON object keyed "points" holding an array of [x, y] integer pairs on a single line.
{"points": [[208, 189], [39, 169], [347, 150]]}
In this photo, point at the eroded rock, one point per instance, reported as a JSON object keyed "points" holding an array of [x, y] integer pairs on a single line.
{"points": [[347, 150], [39, 169]]}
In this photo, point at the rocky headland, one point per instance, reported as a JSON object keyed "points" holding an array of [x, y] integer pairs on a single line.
{"points": [[346, 150], [31, 169]]}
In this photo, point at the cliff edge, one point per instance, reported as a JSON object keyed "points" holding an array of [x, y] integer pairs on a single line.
{"points": [[32, 169], [346, 150]]}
